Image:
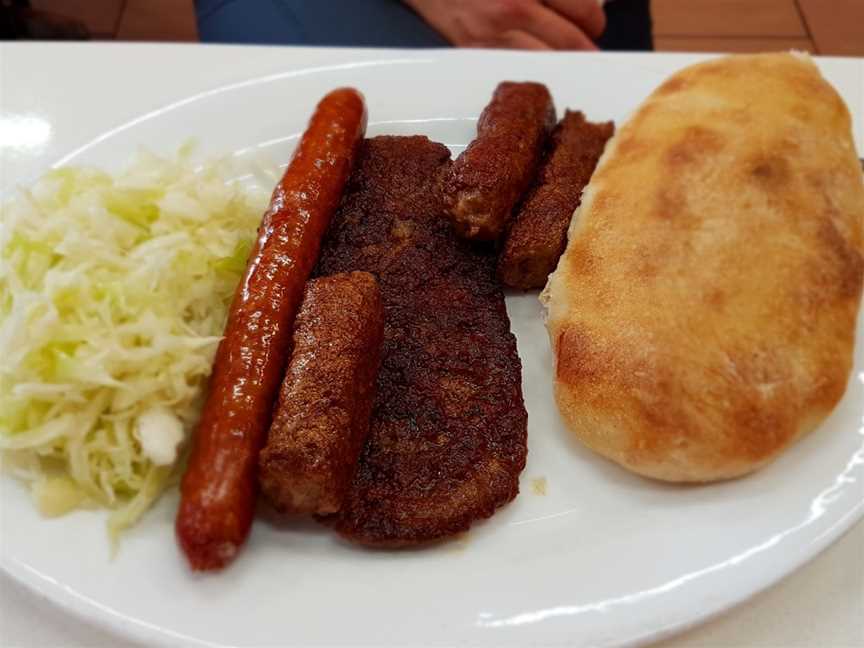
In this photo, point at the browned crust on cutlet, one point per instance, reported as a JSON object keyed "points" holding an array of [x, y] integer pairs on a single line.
{"points": [[539, 232], [322, 417], [448, 433], [490, 176]]}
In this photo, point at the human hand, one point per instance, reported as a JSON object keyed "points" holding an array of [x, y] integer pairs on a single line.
{"points": [[515, 24]]}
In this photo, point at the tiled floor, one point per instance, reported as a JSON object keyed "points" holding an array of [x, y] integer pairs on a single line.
{"points": [[834, 27]]}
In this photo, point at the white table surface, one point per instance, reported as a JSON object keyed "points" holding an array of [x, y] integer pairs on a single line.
{"points": [[820, 605]]}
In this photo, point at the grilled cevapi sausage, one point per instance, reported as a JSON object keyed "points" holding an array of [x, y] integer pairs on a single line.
{"points": [[219, 488], [487, 180], [538, 235], [322, 418]]}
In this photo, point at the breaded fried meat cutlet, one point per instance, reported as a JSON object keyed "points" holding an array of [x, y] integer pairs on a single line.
{"points": [[447, 438]]}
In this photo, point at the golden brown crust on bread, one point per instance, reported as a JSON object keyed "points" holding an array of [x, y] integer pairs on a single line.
{"points": [[703, 314]]}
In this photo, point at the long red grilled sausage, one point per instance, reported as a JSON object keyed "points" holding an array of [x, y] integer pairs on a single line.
{"points": [[219, 488]]}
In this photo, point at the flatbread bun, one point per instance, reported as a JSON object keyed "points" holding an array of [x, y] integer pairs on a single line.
{"points": [[703, 315]]}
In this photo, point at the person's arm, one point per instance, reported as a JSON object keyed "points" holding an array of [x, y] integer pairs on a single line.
{"points": [[519, 24]]}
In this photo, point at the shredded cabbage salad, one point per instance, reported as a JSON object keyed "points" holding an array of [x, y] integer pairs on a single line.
{"points": [[113, 297]]}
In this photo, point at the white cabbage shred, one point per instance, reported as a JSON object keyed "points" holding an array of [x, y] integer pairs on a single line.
{"points": [[113, 298]]}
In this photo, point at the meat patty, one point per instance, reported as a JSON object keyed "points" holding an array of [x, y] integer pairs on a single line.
{"points": [[322, 417], [538, 235], [489, 178], [447, 438]]}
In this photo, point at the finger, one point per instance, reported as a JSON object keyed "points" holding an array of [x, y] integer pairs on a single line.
{"points": [[588, 14], [516, 39], [556, 31]]}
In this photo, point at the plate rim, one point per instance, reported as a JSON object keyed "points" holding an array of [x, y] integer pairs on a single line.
{"points": [[89, 611]]}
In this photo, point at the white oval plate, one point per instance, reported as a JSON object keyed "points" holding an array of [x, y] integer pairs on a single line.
{"points": [[603, 558]]}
